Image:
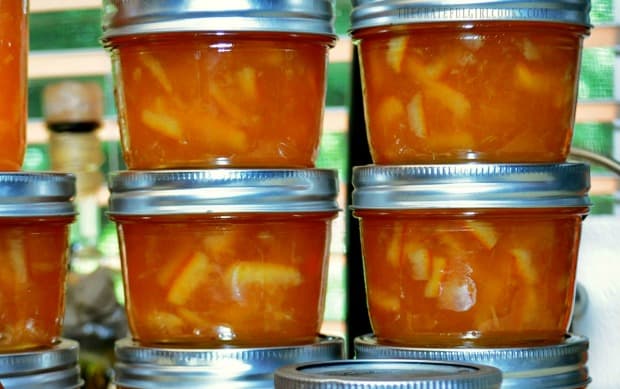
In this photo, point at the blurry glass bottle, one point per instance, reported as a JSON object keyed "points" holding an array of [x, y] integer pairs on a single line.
{"points": [[73, 112]]}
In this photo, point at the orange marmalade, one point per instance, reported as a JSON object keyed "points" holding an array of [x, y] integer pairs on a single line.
{"points": [[209, 281], [197, 100], [33, 252], [13, 93], [485, 278], [486, 91], [470, 254]]}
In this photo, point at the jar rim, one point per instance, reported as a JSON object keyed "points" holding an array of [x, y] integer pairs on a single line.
{"points": [[372, 13], [220, 191], [471, 186], [40, 194], [121, 18]]}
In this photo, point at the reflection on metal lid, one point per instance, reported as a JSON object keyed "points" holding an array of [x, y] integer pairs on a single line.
{"points": [[387, 374], [160, 367], [556, 366], [133, 17], [222, 191], [471, 186], [373, 13], [54, 368], [36, 194]]}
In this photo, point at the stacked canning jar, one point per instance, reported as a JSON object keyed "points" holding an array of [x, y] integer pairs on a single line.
{"points": [[223, 222], [36, 210], [471, 219]]}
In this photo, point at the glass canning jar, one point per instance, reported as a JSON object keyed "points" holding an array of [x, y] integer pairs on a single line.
{"points": [[472, 254], [36, 210], [224, 257], [13, 78], [235, 85], [492, 81]]}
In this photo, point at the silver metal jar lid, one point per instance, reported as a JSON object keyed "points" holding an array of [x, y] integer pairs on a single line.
{"points": [[374, 13], [557, 366], [54, 368], [387, 374], [462, 186], [222, 191], [135, 17], [36, 194], [155, 368]]}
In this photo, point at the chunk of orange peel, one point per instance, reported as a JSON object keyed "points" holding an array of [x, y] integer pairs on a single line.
{"points": [[189, 279], [433, 286], [396, 52], [269, 277]]}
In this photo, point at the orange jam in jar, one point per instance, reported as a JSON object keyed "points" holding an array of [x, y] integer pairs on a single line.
{"points": [[244, 89], [441, 88], [481, 255], [14, 91], [35, 213], [214, 258]]}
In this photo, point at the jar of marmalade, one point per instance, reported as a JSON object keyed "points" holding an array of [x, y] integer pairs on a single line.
{"points": [[224, 257], [35, 212], [201, 84], [471, 254], [13, 78], [492, 81]]}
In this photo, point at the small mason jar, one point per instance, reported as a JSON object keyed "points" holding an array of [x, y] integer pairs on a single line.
{"points": [[224, 257], [36, 210], [492, 81], [562, 365], [13, 78], [139, 367], [472, 254], [207, 84]]}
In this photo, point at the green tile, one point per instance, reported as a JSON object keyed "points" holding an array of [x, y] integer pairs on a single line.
{"points": [[37, 158], [597, 74], [596, 137], [113, 157], [338, 84], [602, 205], [602, 11], [36, 86], [65, 29], [342, 11], [333, 153]]}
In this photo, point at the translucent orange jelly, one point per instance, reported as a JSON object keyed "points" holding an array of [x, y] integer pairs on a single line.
{"points": [[205, 100], [209, 281], [13, 90], [482, 278], [33, 253], [480, 91]]}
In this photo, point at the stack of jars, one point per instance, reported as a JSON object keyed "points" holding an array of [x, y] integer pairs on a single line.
{"points": [[223, 222], [36, 210], [470, 220]]}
